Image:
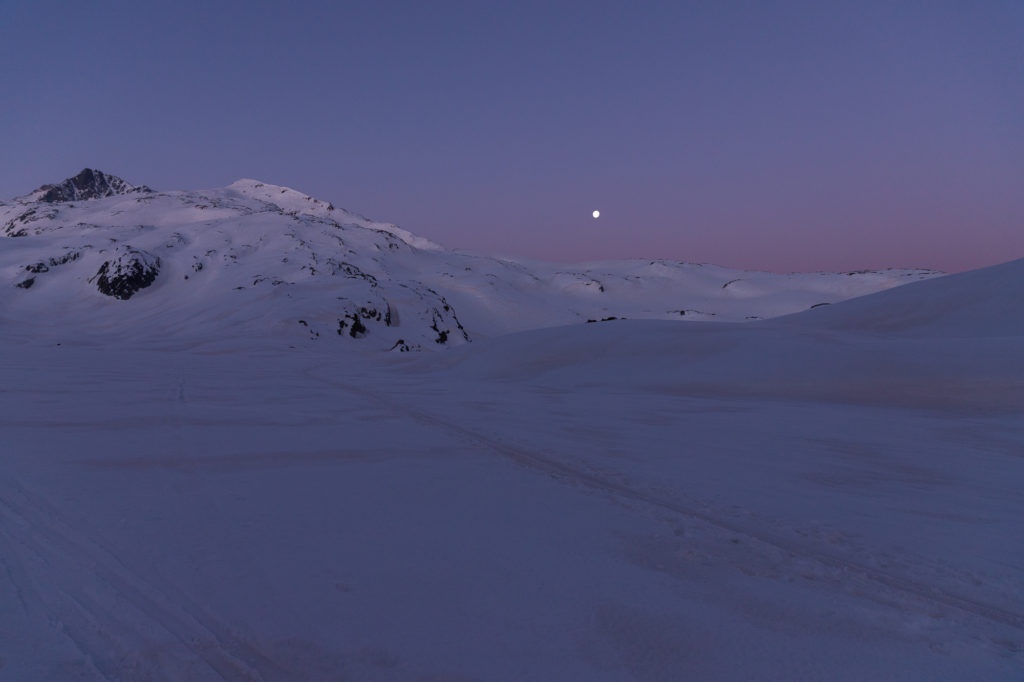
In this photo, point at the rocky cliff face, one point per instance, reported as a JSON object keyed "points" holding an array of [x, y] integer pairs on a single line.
{"points": [[89, 184]]}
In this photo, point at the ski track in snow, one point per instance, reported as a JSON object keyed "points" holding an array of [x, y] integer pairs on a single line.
{"points": [[127, 622], [87, 593], [877, 585]]}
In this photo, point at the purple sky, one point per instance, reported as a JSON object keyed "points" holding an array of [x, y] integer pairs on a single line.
{"points": [[771, 135]]}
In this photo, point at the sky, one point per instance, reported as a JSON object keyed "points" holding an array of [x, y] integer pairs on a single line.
{"points": [[783, 136]]}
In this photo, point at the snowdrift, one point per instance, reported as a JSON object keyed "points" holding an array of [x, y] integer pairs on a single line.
{"points": [[988, 302]]}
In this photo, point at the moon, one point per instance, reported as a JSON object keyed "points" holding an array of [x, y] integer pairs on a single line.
{"points": [[596, 214]]}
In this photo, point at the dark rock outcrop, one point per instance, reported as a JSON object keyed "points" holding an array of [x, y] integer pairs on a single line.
{"points": [[18, 225], [127, 272], [89, 184]]}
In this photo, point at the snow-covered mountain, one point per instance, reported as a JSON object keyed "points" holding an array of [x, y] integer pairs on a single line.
{"points": [[100, 256], [832, 494]]}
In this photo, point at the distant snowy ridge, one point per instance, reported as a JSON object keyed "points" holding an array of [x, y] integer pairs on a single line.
{"points": [[953, 341], [95, 256]]}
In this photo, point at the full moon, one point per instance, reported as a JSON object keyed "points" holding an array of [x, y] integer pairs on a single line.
{"points": [[597, 214]]}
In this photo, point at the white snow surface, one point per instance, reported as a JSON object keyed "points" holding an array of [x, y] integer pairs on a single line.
{"points": [[256, 259], [832, 495]]}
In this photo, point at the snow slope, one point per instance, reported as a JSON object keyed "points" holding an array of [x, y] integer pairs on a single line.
{"points": [[984, 302], [827, 495], [265, 261]]}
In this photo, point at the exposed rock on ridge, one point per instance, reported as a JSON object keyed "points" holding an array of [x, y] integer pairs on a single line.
{"points": [[89, 184]]}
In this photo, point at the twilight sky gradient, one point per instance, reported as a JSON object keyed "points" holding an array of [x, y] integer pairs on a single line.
{"points": [[815, 135]]}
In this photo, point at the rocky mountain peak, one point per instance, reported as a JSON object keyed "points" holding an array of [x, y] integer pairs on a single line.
{"points": [[89, 184]]}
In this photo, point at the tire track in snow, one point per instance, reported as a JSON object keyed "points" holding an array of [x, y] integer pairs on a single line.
{"points": [[76, 572], [574, 474]]}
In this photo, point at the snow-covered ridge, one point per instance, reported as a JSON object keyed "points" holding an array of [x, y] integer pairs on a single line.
{"points": [[266, 261], [294, 201]]}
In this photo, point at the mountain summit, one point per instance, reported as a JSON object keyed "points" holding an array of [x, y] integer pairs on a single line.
{"points": [[89, 184]]}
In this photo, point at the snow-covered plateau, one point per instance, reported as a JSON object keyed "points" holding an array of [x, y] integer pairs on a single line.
{"points": [[211, 467]]}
